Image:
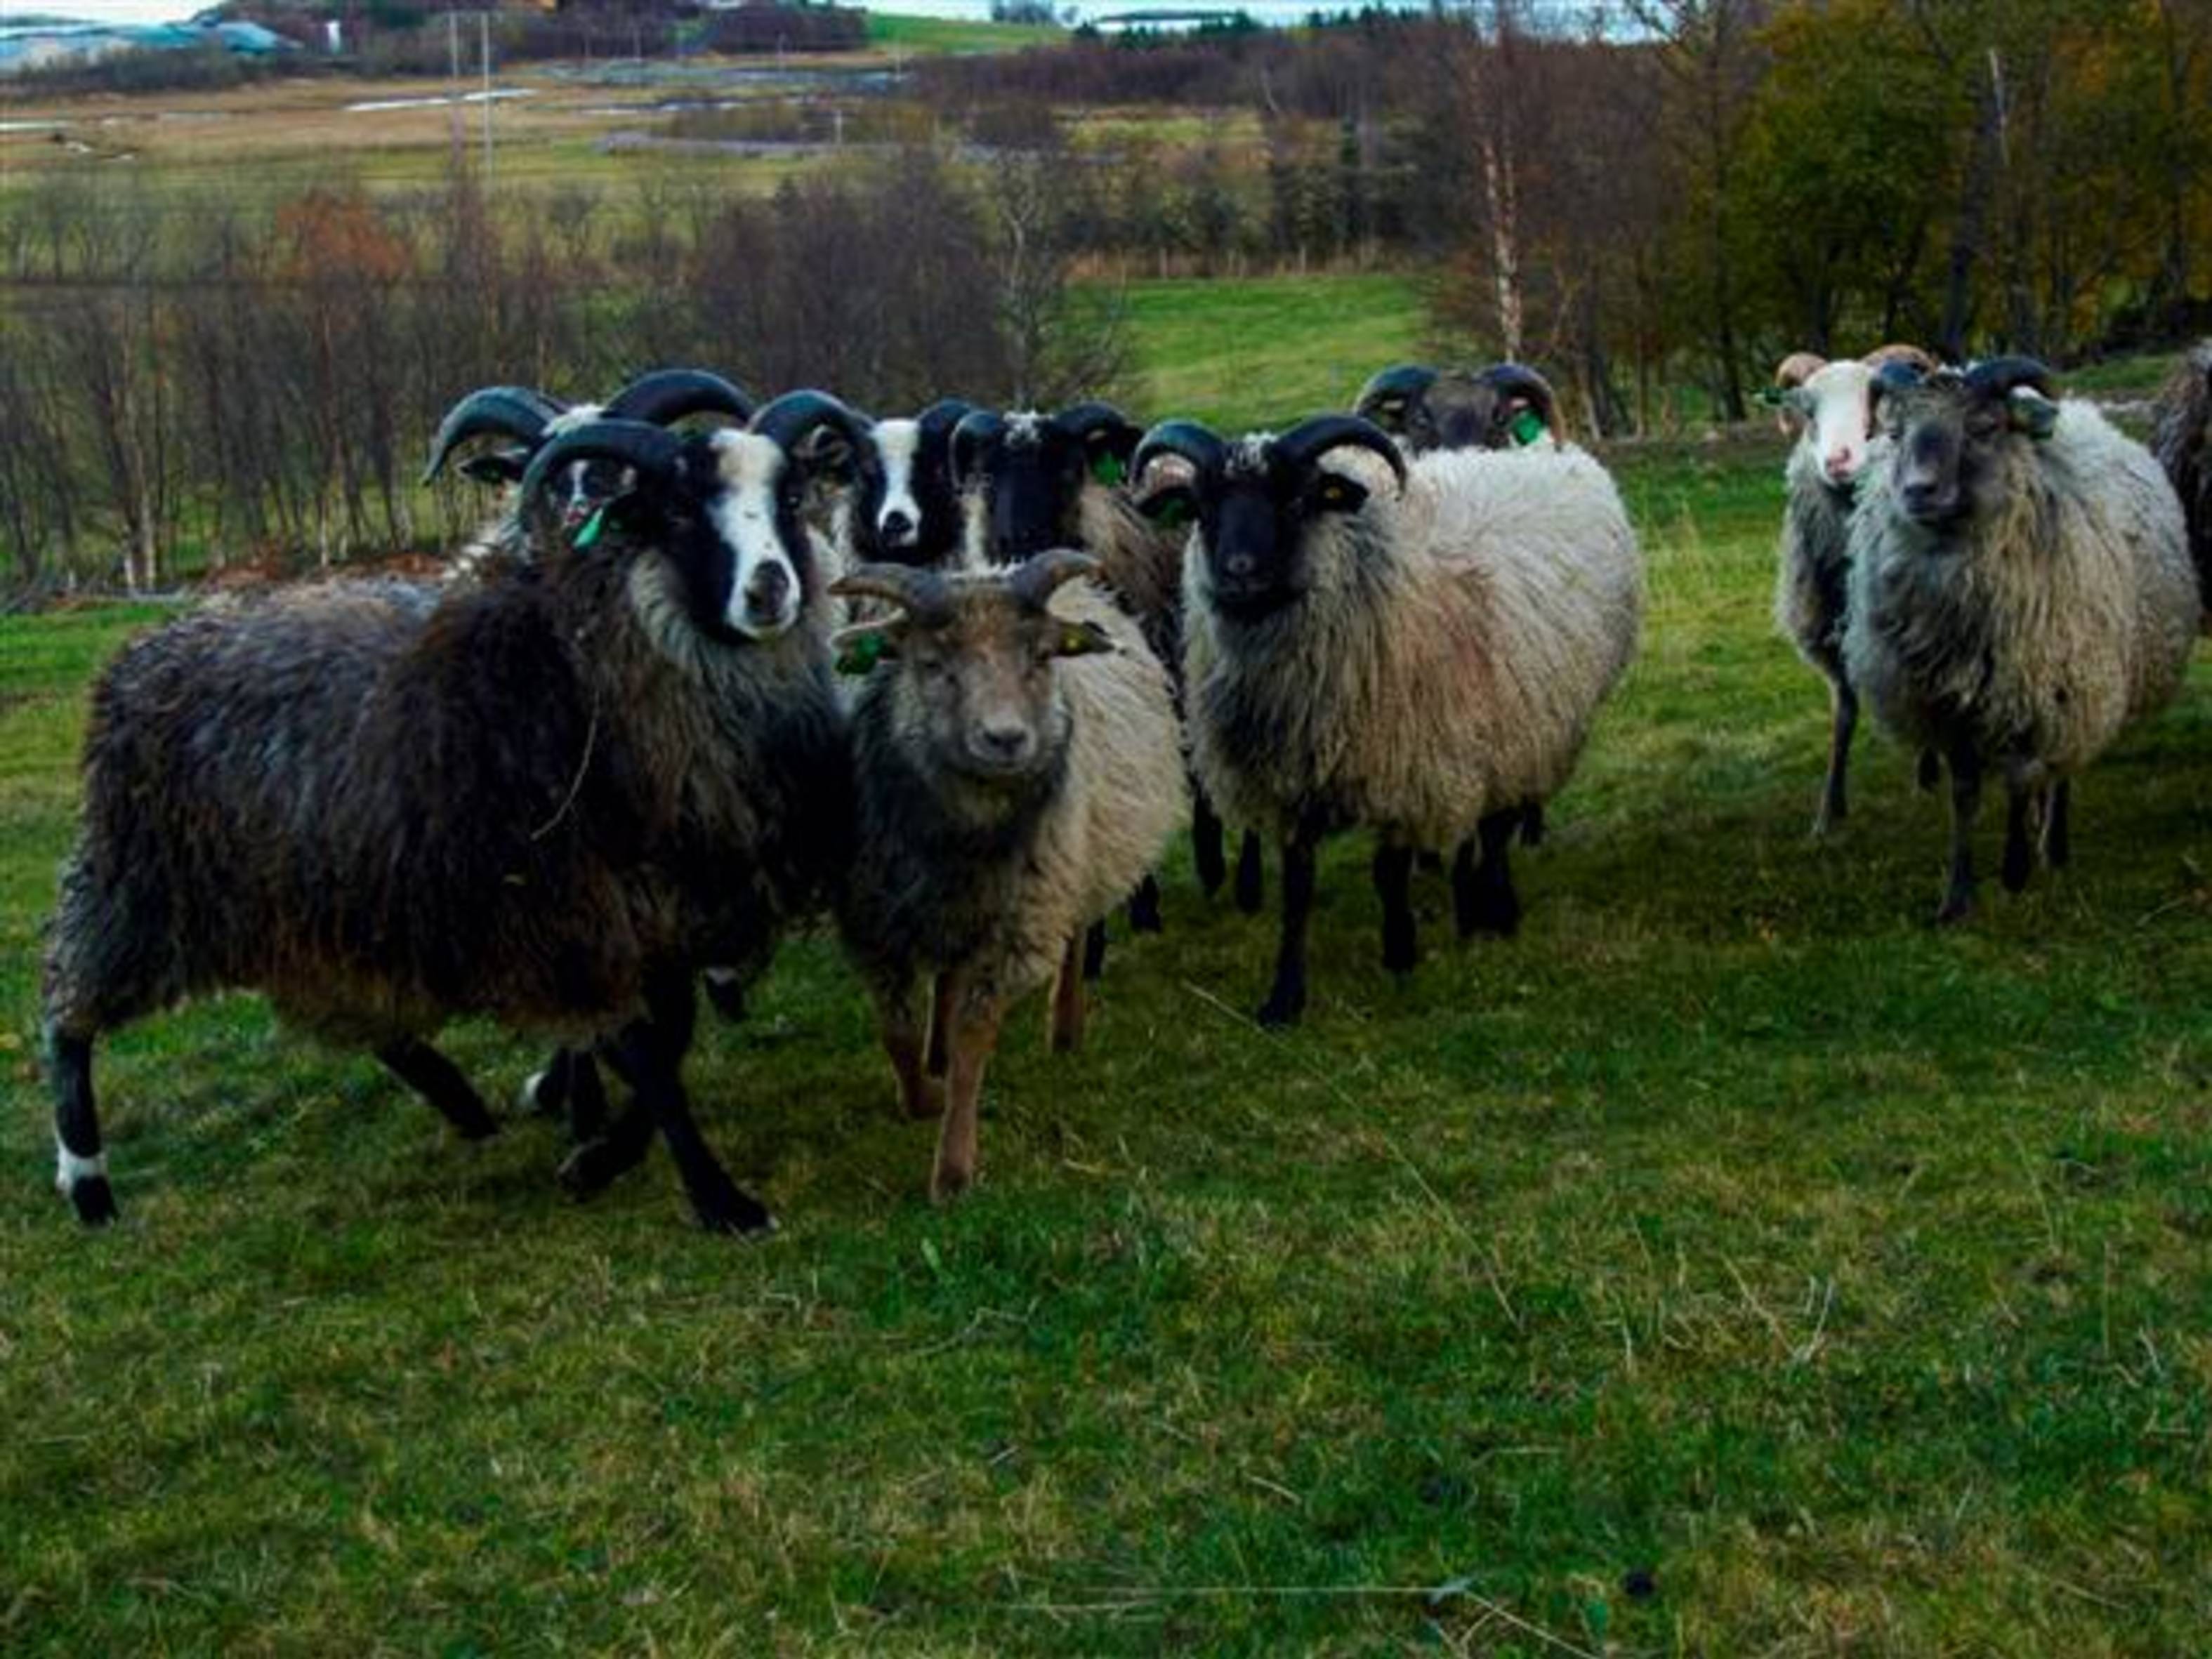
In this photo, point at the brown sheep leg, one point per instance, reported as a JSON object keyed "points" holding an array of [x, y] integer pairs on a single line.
{"points": [[974, 1036], [898, 1021], [1068, 1006]]}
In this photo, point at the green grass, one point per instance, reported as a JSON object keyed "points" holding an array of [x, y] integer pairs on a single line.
{"points": [[1240, 355], [1730, 1265], [897, 32]]}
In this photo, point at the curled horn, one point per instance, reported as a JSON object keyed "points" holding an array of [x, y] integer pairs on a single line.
{"points": [[1999, 376], [1194, 440], [652, 450], [667, 395], [922, 594], [1033, 581], [1797, 369], [1519, 380], [1085, 421], [1898, 352], [796, 416], [937, 421], [1309, 440], [1384, 399], [510, 411], [976, 428]]}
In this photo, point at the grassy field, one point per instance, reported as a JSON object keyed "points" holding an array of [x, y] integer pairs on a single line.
{"points": [[1730, 1265]]}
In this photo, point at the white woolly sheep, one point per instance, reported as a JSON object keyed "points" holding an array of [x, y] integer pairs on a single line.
{"points": [[1422, 653], [2021, 590]]}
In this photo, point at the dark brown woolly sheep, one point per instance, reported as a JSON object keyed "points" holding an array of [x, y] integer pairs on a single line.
{"points": [[544, 794], [2182, 440]]}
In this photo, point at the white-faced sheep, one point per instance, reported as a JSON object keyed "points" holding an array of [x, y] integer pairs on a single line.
{"points": [[1421, 651], [1016, 768], [543, 794], [2021, 590], [2181, 438], [1832, 406], [1505, 406]]}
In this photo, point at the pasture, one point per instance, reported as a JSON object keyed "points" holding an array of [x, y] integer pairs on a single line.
{"points": [[1731, 1264]]}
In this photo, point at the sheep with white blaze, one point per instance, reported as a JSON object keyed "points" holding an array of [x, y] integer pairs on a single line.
{"points": [[543, 794], [1016, 767], [2020, 590], [1833, 406], [901, 506], [1416, 647]]}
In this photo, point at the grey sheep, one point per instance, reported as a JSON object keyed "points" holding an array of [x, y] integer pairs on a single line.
{"points": [[1016, 769], [1420, 650], [2020, 590], [543, 793], [2181, 438]]}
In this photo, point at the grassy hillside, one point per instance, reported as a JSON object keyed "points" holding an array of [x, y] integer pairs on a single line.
{"points": [[1730, 1265]]}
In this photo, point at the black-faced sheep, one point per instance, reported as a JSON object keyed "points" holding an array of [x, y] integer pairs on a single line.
{"points": [[1505, 406], [2181, 438], [2021, 590], [1420, 649], [543, 793], [1016, 768]]}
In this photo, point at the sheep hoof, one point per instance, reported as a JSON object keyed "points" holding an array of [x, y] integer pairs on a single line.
{"points": [[947, 1182], [928, 1101], [727, 992], [1955, 908], [736, 1212], [1282, 1008], [1927, 770], [589, 1170], [540, 1095], [93, 1200]]}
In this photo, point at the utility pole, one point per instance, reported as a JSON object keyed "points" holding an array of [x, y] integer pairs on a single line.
{"points": [[483, 48], [453, 86]]}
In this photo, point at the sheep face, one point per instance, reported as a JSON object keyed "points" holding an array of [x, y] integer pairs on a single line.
{"points": [[971, 661], [1029, 471], [904, 508], [1501, 407], [1955, 433], [1836, 404]]}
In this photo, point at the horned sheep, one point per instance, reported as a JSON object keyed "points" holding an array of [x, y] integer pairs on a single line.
{"points": [[1421, 651], [543, 793], [1016, 768], [2021, 590], [2181, 438]]}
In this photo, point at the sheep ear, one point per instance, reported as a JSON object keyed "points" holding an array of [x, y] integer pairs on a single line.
{"points": [[2029, 411], [1080, 639], [1335, 493], [1171, 505], [864, 645]]}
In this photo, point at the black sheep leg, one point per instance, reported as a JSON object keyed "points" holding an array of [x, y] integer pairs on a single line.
{"points": [[1251, 875], [1287, 1002], [2021, 800], [1834, 804], [1206, 844], [1093, 949], [2057, 838], [82, 1167], [1965, 807], [1145, 906], [1483, 899], [1393, 876], [438, 1081], [649, 1055]]}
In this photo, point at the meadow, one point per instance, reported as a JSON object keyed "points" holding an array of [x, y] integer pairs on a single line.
{"points": [[1731, 1264]]}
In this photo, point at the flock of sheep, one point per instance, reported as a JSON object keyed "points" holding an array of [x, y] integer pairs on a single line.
{"points": [[954, 681]]}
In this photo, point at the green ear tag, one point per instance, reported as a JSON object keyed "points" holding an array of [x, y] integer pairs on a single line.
{"points": [[1106, 468], [1172, 513], [590, 532], [1527, 427], [861, 653]]}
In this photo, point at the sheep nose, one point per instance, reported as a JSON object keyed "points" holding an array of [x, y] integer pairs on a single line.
{"points": [[897, 529], [767, 591], [1240, 564], [1841, 465], [1928, 501], [1002, 742]]}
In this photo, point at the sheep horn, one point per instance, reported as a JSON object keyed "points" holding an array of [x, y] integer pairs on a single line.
{"points": [[667, 395], [511, 411], [1998, 376], [1797, 369], [652, 450], [1309, 440], [1033, 581], [1518, 380], [1899, 352], [1086, 421], [1196, 442], [797, 415], [922, 594], [937, 421], [976, 428], [1384, 399]]}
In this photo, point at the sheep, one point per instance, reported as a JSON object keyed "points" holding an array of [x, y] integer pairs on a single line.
{"points": [[1505, 406], [544, 794], [2021, 589], [1426, 661], [1017, 766], [2181, 438], [901, 506], [1833, 404]]}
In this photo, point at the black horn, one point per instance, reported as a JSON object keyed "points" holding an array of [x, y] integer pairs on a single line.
{"points": [[796, 416], [667, 395], [1309, 440], [1194, 440], [977, 430], [507, 412], [1087, 422], [650, 449], [939, 420], [1385, 398], [1519, 380], [1999, 376]]}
